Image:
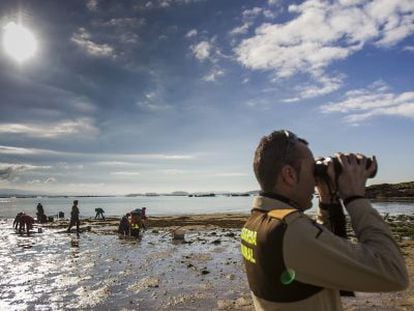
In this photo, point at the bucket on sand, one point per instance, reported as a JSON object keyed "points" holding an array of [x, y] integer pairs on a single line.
{"points": [[178, 234]]}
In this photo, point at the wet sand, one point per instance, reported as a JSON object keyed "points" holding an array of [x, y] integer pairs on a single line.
{"points": [[100, 271]]}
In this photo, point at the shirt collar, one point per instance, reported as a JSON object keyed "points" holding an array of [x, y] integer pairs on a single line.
{"points": [[268, 204]]}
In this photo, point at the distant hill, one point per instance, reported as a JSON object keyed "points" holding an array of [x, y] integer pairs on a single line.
{"points": [[16, 192], [391, 192]]}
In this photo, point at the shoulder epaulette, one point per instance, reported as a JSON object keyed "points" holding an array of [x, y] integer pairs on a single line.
{"points": [[281, 213]]}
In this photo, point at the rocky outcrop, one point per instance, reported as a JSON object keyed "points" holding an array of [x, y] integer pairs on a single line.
{"points": [[392, 192]]}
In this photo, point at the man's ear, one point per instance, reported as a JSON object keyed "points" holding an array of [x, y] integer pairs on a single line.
{"points": [[288, 174]]}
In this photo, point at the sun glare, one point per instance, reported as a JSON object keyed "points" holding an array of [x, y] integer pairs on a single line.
{"points": [[19, 42]]}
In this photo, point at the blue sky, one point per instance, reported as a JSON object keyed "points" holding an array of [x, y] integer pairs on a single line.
{"points": [[138, 96]]}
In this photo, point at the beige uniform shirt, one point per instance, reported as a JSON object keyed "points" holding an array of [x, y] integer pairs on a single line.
{"points": [[320, 258]]}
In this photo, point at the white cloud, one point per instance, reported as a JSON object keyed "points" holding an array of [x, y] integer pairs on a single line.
{"points": [[248, 17], [324, 32], [156, 156], [324, 85], [50, 180], [125, 173], [18, 150], [202, 50], [173, 157], [252, 13], [192, 33], [376, 100], [173, 171], [126, 22], [83, 39], [153, 101], [81, 126], [207, 50], [214, 74], [269, 14], [8, 170], [24, 166], [231, 174], [157, 4], [273, 2], [243, 29], [409, 48], [115, 163]]}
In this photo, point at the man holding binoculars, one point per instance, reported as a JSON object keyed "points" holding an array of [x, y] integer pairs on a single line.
{"points": [[294, 263]]}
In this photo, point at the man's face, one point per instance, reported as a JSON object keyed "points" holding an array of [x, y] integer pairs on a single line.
{"points": [[306, 184]]}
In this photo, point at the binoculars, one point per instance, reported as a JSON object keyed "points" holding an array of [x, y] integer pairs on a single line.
{"points": [[321, 167]]}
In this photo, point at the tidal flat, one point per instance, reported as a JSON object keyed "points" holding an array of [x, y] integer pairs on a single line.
{"points": [[98, 270]]}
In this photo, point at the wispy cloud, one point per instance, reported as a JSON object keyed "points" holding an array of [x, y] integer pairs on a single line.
{"points": [[409, 48], [214, 74], [320, 85], [192, 33], [324, 32], [98, 158], [153, 101], [208, 50], [125, 173], [47, 180], [8, 170], [273, 2], [230, 174], [248, 18], [202, 50], [164, 4], [115, 163], [83, 39], [376, 100], [22, 151], [82, 126]]}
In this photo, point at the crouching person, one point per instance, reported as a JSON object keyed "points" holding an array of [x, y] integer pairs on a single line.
{"points": [[136, 224], [123, 228]]}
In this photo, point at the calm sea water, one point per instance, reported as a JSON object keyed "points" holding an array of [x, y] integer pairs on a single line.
{"points": [[156, 206]]}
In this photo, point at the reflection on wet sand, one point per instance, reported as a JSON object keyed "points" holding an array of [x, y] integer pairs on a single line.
{"points": [[197, 267], [98, 270]]}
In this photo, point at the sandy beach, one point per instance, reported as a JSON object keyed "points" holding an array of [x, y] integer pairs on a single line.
{"points": [[100, 271]]}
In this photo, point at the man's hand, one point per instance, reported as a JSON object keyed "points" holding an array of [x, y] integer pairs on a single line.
{"points": [[352, 180]]}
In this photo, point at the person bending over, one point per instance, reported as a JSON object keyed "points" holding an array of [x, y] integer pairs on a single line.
{"points": [[99, 213]]}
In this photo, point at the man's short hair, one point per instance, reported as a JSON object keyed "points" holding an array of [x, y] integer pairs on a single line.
{"points": [[273, 152]]}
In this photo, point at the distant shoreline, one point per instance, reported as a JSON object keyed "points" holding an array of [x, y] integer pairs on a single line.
{"points": [[398, 192]]}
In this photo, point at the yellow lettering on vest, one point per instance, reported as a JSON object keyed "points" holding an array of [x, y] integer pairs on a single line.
{"points": [[248, 236], [247, 253]]}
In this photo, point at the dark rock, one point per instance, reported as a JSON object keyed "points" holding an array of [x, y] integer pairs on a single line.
{"points": [[384, 192]]}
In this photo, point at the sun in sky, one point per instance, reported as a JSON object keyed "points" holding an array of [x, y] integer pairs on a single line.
{"points": [[19, 43]]}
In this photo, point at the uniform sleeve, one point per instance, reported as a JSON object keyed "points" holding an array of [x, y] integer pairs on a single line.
{"points": [[332, 217], [320, 258]]}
